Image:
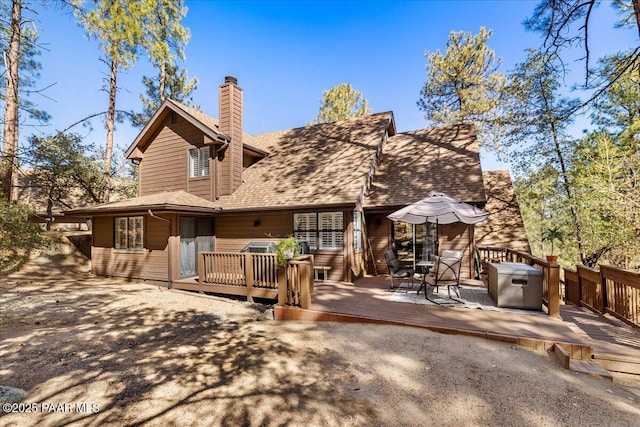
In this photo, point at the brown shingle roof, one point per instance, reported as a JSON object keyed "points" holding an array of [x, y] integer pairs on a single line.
{"points": [[505, 227], [167, 200], [414, 164], [324, 164]]}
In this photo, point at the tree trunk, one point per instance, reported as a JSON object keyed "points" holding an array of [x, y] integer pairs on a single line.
{"points": [[10, 135], [163, 79], [636, 11], [111, 119], [569, 193], [49, 212], [565, 178]]}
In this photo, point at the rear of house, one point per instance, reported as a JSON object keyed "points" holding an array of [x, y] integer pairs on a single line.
{"points": [[206, 185]]}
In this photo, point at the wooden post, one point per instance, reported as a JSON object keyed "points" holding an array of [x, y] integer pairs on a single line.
{"points": [[554, 290], [282, 285], [248, 275], [579, 286], [306, 281], [311, 265], [201, 272], [605, 297]]}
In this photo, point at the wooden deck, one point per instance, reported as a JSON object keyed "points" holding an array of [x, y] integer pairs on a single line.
{"points": [[616, 346]]}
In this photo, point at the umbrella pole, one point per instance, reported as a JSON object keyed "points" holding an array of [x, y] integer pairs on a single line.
{"points": [[414, 246], [437, 243]]}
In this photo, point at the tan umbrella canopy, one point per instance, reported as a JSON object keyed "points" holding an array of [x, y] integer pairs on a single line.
{"points": [[440, 209]]}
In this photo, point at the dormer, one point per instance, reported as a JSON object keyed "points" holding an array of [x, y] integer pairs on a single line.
{"points": [[181, 148]]}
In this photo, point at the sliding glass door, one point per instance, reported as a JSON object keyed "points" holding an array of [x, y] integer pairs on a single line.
{"points": [[412, 242], [196, 235]]}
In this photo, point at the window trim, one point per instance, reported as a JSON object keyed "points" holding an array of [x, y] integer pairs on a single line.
{"points": [[138, 242], [303, 234], [203, 168], [358, 235]]}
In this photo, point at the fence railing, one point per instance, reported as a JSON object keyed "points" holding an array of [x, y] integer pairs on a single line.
{"points": [[298, 283], [550, 273], [609, 289], [491, 254], [256, 275]]}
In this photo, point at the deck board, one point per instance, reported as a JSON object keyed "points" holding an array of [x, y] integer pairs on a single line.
{"points": [[368, 299]]}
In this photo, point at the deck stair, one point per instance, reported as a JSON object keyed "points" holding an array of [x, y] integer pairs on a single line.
{"points": [[618, 363], [616, 345], [577, 358]]}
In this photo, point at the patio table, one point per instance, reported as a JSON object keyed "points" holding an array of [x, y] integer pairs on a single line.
{"points": [[424, 266]]}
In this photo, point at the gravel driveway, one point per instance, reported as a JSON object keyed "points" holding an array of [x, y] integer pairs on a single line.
{"points": [[95, 351]]}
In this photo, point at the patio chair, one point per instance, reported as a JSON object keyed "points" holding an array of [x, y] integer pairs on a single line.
{"points": [[445, 272], [448, 253], [394, 268]]}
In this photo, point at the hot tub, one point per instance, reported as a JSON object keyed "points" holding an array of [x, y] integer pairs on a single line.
{"points": [[515, 285]]}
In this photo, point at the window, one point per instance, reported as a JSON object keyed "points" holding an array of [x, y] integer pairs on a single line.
{"points": [[323, 230], [357, 230], [305, 228], [199, 162], [128, 232], [331, 230]]}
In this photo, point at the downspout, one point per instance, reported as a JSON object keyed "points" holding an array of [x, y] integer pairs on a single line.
{"points": [[219, 150], [170, 251]]}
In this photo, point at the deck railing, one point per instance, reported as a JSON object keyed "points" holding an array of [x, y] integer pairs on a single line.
{"points": [[256, 275], [571, 285], [550, 273], [608, 289], [298, 283], [492, 254], [550, 278], [590, 288]]}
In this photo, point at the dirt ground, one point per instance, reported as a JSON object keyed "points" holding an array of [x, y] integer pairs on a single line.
{"points": [[94, 351]]}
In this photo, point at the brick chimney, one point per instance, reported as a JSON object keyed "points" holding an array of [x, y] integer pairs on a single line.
{"points": [[230, 110]]}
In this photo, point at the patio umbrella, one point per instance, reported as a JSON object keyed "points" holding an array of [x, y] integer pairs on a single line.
{"points": [[440, 209]]}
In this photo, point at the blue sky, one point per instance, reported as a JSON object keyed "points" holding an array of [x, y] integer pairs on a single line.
{"points": [[285, 54]]}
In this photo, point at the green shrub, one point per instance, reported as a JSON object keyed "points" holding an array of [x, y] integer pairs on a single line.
{"points": [[18, 235]]}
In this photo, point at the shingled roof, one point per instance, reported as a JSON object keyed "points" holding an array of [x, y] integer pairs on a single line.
{"points": [[444, 159], [505, 226], [320, 165], [165, 201]]}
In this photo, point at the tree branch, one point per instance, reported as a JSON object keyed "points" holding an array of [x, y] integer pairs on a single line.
{"points": [[93, 116]]}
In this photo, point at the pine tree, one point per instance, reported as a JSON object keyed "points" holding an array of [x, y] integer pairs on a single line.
{"points": [[19, 42], [118, 25], [464, 85], [165, 39], [341, 102]]}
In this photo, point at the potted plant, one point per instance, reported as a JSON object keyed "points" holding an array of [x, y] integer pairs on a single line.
{"points": [[551, 235], [286, 249]]}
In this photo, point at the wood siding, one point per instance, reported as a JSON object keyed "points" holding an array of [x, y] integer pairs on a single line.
{"points": [[233, 232], [201, 187], [379, 234], [166, 161], [230, 107], [149, 263]]}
